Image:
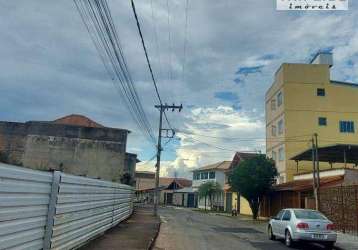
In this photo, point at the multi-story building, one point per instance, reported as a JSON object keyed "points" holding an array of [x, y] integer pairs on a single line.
{"points": [[215, 173], [302, 101]]}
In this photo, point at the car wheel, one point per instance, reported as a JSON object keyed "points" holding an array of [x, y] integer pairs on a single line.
{"points": [[329, 245], [288, 239], [270, 234]]}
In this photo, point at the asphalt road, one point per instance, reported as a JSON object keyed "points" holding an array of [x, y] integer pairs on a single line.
{"points": [[184, 229]]}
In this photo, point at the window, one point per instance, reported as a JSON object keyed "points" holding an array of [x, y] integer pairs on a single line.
{"points": [[287, 216], [279, 215], [212, 175], [346, 126], [274, 155], [279, 99], [322, 121], [281, 154], [273, 104], [321, 92], [274, 130], [280, 127], [204, 176], [196, 176], [309, 214]]}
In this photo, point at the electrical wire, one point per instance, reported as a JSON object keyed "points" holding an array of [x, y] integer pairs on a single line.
{"points": [[185, 37], [99, 23]]}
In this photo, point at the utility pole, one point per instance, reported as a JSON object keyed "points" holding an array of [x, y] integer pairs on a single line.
{"points": [[314, 173], [317, 169], [162, 108]]}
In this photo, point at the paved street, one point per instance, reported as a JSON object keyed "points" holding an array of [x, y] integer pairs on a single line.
{"points": [[184, 229]]}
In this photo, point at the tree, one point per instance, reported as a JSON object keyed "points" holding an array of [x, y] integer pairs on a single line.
{"points": [[208, 190], [254, 178]]}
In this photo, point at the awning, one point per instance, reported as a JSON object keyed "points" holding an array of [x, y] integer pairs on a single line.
{"points": [[338, 153]]}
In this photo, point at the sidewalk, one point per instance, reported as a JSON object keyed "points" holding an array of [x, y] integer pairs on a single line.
{"points": [[138, 232], [347, 242]]}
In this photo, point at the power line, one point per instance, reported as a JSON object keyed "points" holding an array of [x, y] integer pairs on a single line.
{"points": [[169, 44], [99, 24], [244, 139], [185, 36], [221, 148], [145, 51]]}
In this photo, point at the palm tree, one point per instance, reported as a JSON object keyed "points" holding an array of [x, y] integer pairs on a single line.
{"points": [[209, 189]]}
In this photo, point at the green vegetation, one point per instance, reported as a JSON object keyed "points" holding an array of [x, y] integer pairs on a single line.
{"points": [[208, 190], [253, 178]]}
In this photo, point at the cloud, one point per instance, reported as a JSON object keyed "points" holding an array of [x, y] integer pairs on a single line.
{"points": [[50, 67]]}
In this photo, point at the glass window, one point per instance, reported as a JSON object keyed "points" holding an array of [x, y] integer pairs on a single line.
{"points": [[322, 121], [196, 176], [204, 176], [321, 92], [309, 214], [212, 175], [279, 215], [280, 127], [274, 130], [281, 154], [346, 126], [273, 104], [287, 215], [279, 99]]}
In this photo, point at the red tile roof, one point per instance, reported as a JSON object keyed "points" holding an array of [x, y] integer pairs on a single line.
{"points": [[78, 120], [163, 182]]}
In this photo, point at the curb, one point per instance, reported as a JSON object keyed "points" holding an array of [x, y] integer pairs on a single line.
{"points": [[152, 241]]}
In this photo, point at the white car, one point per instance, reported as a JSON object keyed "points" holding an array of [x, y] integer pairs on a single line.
{"points": [[302, 225]]}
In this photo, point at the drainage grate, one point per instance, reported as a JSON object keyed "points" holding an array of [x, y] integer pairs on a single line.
{"points": [[246, 230]]}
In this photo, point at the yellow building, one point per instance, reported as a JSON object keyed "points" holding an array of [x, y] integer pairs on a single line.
{"points": [[303, 100]]}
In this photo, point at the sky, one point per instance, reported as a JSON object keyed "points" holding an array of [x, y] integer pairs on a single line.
{"points": [[50, 68]]}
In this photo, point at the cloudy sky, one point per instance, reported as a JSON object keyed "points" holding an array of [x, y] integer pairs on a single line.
{"points": [[50, 68]]}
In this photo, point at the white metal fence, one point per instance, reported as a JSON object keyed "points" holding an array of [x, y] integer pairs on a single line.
{"points": [[42, 210]]}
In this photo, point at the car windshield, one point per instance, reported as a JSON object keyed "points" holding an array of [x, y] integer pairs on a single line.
{"points": [[309, 214]]}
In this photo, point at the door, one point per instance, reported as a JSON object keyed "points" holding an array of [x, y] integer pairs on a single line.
{"points": [[276, 223], [191, 200], [169, 198], [228, 202]]}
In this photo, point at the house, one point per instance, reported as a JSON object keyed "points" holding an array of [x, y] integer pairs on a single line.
{"points": [[169, 186], [185, 197], [214, 172], [219, 172], [304, 100], [145, 189], [298, 193], [74, 144], [144, 186], [232, 199]]}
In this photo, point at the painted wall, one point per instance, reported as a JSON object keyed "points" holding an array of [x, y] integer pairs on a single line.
{"points": [[301, 109]]}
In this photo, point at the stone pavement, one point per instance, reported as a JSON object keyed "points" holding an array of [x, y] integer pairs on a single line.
{"points": [[137, 232]]}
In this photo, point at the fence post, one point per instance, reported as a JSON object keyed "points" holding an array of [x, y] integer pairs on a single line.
{"points": [[51, 209]]}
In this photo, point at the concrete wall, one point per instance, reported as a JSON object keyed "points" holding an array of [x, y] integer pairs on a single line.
{"points": [[92, 152]]}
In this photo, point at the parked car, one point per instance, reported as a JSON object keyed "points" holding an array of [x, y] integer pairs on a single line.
{"points": [[302, 225]]}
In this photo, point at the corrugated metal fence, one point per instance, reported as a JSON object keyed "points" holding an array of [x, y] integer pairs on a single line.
{"points": [[41, 210]]}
